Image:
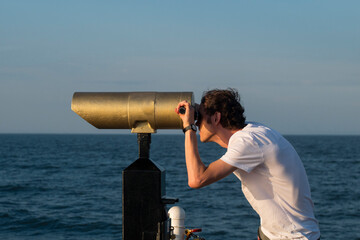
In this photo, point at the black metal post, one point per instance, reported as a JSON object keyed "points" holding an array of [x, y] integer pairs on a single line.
{"points": [[144, 203], [144, 140]]}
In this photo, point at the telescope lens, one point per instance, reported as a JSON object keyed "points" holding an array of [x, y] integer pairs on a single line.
{"points": [[182, 110]]}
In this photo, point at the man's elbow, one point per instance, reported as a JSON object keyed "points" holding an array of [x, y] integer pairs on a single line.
{"points": [[195, 184]]}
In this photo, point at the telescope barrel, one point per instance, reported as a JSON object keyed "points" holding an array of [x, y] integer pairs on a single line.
{"points": [[142, 112]]}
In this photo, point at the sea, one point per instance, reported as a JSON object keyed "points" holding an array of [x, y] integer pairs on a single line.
{"points": [[70, 186]]}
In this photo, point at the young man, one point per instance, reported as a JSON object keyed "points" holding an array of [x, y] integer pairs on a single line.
{"points": [[273, 177]]}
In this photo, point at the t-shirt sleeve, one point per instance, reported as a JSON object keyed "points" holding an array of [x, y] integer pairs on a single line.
{"points": [[243, 153]]}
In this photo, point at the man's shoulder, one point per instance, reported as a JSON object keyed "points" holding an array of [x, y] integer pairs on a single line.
{"points": [[243, 138], [250, 129], [257, 133]]}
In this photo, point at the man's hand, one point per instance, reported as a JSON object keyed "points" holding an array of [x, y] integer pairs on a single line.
{"points": [[188, 117]]}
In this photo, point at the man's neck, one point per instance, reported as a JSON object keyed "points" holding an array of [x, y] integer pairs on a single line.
{"points": [[223, 136]]}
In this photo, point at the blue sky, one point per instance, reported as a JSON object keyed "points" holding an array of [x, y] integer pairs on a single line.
{"points": [[296, 64]]}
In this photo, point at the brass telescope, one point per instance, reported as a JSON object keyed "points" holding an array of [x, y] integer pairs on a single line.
{"points": [[142, 112]]}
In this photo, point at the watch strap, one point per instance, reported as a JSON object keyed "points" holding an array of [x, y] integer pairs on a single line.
{"points": [[191, 126]]}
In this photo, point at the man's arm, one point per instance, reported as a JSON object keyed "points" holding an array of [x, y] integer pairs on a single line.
{"points": [[198, 174]]}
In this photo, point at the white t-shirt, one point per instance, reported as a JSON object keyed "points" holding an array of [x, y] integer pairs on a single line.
{"points": [[274, 182]]}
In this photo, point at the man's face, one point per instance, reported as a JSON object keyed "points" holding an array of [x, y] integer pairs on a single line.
{"points": [[206, 129]]}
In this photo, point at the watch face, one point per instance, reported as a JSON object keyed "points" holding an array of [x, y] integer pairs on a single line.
{"points": [[193, 127]]}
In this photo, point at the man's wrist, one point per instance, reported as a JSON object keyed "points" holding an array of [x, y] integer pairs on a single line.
{"points": [[190, 127]]}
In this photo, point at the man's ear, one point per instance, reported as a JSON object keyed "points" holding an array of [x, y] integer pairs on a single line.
{"points": [[217, 118]]}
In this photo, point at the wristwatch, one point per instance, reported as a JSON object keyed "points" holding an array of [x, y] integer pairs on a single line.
{"points": [[191, 126]]}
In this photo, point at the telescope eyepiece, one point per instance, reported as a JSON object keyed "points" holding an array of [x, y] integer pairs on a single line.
{"points": [[182, 110]]}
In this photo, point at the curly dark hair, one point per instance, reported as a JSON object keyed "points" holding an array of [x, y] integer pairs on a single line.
{"points": [[227, 102]]}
